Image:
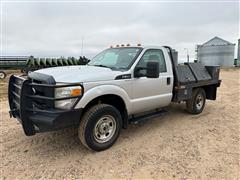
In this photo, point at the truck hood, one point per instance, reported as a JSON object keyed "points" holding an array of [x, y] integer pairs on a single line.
{"points": [[75, 74]]}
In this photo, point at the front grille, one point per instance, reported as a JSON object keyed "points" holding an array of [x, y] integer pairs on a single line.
{"points": [[42, 91]]}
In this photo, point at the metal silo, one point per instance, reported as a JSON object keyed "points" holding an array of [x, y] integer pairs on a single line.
{"points": [[216, 52]]}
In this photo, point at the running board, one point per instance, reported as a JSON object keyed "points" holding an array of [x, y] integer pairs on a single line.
{"points": [[137, 120]]}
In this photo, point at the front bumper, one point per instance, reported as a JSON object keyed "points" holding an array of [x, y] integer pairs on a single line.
{"points": [[35, 111]]}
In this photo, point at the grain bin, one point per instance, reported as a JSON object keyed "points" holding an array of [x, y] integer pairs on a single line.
{"points": [[216, 52]]}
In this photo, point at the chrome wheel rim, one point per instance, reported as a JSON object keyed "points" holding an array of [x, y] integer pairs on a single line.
{"points": [[104, 129], [199, 101]]}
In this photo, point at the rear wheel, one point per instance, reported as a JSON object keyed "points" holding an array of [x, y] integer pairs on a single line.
{"points": [[100, 127], [2, 75], [196, 104]]}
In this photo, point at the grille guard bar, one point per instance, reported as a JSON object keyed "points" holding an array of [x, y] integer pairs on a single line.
{"points": [[21, 100]]}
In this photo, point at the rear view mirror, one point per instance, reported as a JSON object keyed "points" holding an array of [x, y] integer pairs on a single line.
{"points": [[152, 69]]}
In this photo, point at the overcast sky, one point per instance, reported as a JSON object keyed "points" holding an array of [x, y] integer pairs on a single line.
{"points": [[58, 28]]}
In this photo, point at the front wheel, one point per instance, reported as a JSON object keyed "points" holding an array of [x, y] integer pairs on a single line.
{"points": [[196, 104], [100, 127]]}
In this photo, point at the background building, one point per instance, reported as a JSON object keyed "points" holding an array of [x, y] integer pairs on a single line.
{"points": [[216, 51]]}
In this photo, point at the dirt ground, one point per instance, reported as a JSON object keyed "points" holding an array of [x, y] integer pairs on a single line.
{"points": [[177, 145]]}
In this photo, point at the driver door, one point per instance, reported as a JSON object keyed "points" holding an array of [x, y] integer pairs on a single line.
{"points": [[152, 93]]}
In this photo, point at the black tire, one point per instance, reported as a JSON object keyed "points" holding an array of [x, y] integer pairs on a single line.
{"points": [[2, 75], [88, 132], [196, 104]]}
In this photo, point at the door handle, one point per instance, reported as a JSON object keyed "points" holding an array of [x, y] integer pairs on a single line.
{"points": [[168, 80]]}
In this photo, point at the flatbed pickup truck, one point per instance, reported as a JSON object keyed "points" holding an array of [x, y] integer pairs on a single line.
{"points": [[119, 86]]}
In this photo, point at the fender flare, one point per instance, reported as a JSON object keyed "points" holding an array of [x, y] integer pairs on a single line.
{"points": [[101, 90]]}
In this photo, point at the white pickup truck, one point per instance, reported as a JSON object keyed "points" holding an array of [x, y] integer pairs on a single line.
{"points": [[120, 85]]}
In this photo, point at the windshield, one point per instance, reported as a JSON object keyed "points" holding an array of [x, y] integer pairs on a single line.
{"points": [[115, 58]]}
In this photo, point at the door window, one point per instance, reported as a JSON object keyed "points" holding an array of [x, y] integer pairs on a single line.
{"points": [[152, 55]]}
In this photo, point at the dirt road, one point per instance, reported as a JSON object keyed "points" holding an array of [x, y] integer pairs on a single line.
{"points": [[177, 145]]}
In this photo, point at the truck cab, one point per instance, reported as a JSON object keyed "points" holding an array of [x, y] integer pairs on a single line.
{"points": [[109, 92]]}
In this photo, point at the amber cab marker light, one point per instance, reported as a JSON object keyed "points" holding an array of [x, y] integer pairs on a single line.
{"points": [[117, 45], [76, 92], [128, 44], [122, 45], [111, 46], [138, 44]]}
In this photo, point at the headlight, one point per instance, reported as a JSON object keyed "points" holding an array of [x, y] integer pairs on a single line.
{"points": [[67, 92]]}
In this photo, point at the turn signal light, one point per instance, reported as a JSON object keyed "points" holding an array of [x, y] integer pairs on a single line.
{"points": [[76, 92]]}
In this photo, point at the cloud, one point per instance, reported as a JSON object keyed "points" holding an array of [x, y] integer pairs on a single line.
{"points": [[56, 29]]}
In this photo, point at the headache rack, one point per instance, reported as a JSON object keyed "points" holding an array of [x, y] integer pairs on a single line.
{"points": [[29, 99]]}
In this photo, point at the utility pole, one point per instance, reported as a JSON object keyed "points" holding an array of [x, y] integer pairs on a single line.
{"points": [[187, 54], [82, 47]]}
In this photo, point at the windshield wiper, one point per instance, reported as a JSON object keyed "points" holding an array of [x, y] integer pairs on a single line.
{"points": [[100, 65]]}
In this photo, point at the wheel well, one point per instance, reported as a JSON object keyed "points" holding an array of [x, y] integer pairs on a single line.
{"points": [[210, 91], [113, 100]]}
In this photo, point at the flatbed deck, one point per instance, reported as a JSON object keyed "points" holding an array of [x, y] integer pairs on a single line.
{"points": [[188, 76]]}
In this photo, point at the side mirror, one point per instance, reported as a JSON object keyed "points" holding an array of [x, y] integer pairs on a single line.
{"points": [[152, 69]]}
